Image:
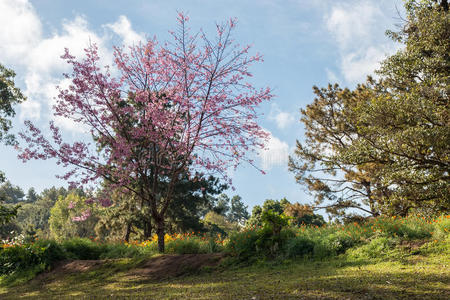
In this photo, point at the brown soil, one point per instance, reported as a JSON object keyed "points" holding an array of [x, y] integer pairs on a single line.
{"points": [[413, 245], [67, 267], [159, 267], [167, 266]]}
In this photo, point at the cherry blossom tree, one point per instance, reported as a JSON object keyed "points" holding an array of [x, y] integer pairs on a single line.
{"points": [[184, 106]]}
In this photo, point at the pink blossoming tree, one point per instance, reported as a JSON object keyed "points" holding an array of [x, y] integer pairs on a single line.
{"points": [[182, 107]]}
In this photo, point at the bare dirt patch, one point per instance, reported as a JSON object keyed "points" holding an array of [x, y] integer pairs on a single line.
{"points": [[160, 267], [412, 246], [167, 266], [67, 267]]}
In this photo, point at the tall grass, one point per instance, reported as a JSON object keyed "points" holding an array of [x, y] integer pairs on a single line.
{"points": [[377, 235], [373, 238]]}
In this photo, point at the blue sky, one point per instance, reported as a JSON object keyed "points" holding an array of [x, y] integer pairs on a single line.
{"points": [[304, 43]]}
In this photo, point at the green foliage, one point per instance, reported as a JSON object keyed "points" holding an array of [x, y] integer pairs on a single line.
{"points": [[9, 95], [129, 218], [37, 213], [374, 239], [216, 223], [8, 213], [186, 246], [242, 245], [442, 228], [277, 206], [332, 240], [82, 248], [63, 223], [238, 211], [300, 246], [383, 147], [377, 248], [22, 257], [265, 242], [192, 199], [11, 194]]}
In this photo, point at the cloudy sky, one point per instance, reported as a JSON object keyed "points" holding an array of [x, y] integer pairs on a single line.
{"points": [[304, 43]]}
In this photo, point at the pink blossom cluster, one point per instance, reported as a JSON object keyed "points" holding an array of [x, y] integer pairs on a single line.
{"points": [[84, 216]]}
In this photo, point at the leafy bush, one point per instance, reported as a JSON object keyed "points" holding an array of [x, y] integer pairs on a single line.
{"points": [[272, 237], [120, 250], [242, 245], [410, 228], [377, 247], [183, 246], [300, 246], [441, 228], [339, 242], [21, 257], [79, 248]]}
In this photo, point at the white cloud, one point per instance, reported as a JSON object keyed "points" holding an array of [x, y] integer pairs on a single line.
{"points": [[332, 77], [30, 109], [23, 46], [276, 153], [21, 29], [123, 29], [352, 22], [355, 66], [358, 28], [281, 118]]}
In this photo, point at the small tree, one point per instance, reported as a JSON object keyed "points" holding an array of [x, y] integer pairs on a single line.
{"points": [[303, 215], [9, 95], [174, 108], [275, 206], [71, 217], [238, 211]]}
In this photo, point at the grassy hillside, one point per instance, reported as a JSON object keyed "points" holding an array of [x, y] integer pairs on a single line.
{"points": [[411, 273], [395, 258]]}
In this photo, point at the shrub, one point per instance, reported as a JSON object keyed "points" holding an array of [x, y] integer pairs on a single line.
{"points": [[339, 242], [22, 257], [79, 248], [211, 246], [184, 246], [242, 244], [119, 250], [300, 246], [410, 228], [272, 237], [441, 228], [377, 247]]}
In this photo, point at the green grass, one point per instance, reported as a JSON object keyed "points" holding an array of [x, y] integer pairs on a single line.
{"points": [[384, 258], [422, 273]]}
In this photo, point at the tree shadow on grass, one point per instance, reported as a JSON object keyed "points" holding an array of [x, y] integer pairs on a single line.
{"points": [[297, 280]]}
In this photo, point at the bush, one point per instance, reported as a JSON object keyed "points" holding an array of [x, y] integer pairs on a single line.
{"points": [[79, 248], [339, 242], [441, 228], [272, 237], [242, 245], [410, 228], [377, 247], [119, 250], [184, 246], [300, 246], [22, 257]]}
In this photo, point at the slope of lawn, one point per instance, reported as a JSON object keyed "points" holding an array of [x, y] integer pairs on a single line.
{"points": [[378, 267]]}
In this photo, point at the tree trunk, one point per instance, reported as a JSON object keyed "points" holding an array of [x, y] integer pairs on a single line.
{"points": [[127, 233], [160, 232], [147, 228]]}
